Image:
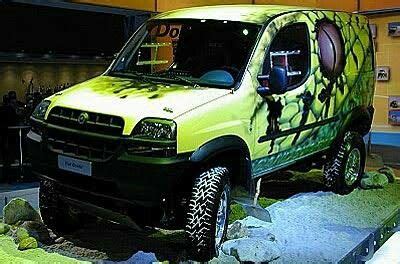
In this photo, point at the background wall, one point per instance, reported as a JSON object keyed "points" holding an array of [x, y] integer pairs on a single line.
{"points": [[16, 76], [164, 5], [388, 48], [388, 54]]}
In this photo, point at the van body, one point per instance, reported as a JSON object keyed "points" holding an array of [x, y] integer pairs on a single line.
{"points": [[202, 100]]}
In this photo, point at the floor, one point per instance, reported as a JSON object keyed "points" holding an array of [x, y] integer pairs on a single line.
{"points": [[389, 252]]}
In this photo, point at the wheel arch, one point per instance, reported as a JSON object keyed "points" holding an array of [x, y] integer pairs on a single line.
{"points": [[230, 151], [358, 120]]}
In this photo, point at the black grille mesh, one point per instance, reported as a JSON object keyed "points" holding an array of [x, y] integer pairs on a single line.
{"points": [[96, 123]]}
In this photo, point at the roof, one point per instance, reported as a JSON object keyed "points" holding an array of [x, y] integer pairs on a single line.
{"points": [[256, 14]]}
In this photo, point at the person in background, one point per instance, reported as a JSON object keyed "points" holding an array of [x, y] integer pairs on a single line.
{"points": [[18, 107], [8, 117]]}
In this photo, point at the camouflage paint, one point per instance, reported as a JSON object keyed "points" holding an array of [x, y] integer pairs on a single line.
{"points": [[354, 87], [257, 14], [203, 114]]}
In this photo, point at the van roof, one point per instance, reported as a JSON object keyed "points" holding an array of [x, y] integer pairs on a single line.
{"points": [[256, 14]]}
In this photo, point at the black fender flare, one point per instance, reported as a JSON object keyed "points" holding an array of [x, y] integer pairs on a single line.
{"points": [[218, 145], [210, 150], [351, 121], [354, 116]]}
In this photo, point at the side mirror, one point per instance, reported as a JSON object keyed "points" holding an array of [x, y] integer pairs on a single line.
{"points": [[277, 82], [264, 91], [278, 79]]}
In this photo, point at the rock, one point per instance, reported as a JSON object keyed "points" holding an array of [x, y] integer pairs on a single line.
{"points": [[59, 240], [374, 180], [224, 259], [237, 230], [252, 250], [252, 222], [4, 228], [20, 234], [37, 230], [389, 172], [262, 233], [141, 257], [52, 235], [28, 243], [19, 210]]}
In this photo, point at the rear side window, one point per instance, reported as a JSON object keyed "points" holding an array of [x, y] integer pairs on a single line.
{"points": [[290, 49]]}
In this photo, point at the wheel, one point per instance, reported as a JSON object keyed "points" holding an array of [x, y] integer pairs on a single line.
{"points": [[56, 215], [208, 212], [343, 172]]}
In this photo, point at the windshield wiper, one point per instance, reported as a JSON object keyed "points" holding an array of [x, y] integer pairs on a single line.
{"points": [[135, 74], [179, 78], [153, 78], [138, 75], [187, 81]]}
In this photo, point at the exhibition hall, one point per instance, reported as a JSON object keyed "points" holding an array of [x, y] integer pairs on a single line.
{"points": [[200, 131]]}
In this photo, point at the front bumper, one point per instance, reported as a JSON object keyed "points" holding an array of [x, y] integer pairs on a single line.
{"points": [[122, 181]]}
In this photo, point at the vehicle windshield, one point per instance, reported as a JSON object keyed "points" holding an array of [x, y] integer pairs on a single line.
{"points": [[194, 52]]}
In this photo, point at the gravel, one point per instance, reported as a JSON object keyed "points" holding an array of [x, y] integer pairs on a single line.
{"points": [[323, 227]]}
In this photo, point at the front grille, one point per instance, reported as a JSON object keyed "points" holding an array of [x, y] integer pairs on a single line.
{"points": [[81, 146], [96, 123]]}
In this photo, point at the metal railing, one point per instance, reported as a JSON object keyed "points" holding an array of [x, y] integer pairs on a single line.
{"points": [[19, 129]]}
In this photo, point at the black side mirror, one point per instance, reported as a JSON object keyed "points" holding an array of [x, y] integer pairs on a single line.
{"points": [[264, 91], [278, 79], [277, 82]]}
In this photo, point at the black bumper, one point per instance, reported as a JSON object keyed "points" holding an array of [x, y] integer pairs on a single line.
{"points": [[123, 181]]}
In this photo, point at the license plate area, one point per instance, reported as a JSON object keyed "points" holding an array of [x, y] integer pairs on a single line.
{"points": [[82, 167]]}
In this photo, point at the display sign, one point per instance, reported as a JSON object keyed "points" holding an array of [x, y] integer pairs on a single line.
{"points": [[382, 73], [394, 29], [394, 110], [75, 165]]}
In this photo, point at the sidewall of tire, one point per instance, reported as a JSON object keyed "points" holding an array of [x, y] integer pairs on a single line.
{"points": [[335, 169], [205, 250]]}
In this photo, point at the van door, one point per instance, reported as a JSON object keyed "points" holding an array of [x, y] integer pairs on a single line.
{"points": [[287, 122]]}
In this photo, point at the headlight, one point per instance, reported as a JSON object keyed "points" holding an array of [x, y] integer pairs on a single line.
{"points": [[40, 110], [153, 137], [157, 129]]}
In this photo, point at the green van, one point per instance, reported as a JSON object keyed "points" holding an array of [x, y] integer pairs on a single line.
{"points": [[202, 100]]}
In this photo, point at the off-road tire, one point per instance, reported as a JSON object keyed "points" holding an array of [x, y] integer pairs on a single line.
{"points": [[57, 215], [334, 168], [202, 212]]}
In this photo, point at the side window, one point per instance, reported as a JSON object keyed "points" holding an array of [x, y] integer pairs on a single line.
{"points": [[290, 50]]}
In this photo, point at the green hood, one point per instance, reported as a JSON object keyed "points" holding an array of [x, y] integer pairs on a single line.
{"points": [[134, 100]]}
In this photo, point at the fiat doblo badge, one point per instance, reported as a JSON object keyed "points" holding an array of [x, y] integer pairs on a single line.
{"points": [[202, 100]]}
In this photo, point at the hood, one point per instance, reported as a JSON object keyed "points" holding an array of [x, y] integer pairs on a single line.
{"points": [[134, 100]]}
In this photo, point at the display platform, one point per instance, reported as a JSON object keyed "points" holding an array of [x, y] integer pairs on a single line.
{"points": [[324, 227], [309, 227]]}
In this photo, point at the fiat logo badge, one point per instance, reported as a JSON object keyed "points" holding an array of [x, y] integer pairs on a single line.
{"points": [[83, 118]]}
